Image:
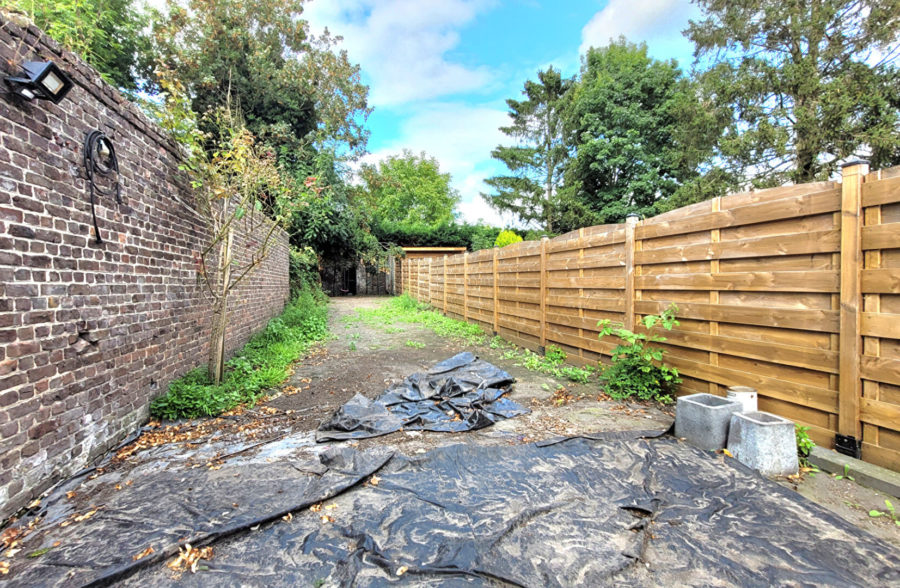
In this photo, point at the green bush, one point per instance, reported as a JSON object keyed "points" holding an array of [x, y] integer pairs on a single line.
{"points": [[507, 237], [303, 270], [637, 369], [261, 364]]}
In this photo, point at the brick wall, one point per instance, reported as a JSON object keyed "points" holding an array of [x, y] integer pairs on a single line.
{"points": [[90, 333]]}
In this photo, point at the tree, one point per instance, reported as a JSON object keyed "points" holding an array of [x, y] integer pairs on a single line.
{"points": [[809, 84], [105, 33], [537, 160], [293, 88], [632, 119], [409, 190]]}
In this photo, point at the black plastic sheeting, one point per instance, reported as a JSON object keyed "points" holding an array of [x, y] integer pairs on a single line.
{"points": [[171, 501], [462, 393], [614, 509], [627, 508]]}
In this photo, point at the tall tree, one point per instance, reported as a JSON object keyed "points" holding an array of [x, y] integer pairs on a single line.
{"points": [[408, 190], [810, 83], [537, 160], [108, 34], [292, 87], [629, 117]]}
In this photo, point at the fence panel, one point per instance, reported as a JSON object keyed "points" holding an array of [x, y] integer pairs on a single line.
{"points": [[794, 291]]}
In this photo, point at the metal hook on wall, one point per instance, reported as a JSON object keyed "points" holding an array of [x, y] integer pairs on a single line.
{"points": [[100, 161]]}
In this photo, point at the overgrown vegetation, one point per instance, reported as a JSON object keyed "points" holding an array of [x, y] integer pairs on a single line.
{"points": [[637, 369], [261, 364], [804, 445], [552, 363], [405, 309]]}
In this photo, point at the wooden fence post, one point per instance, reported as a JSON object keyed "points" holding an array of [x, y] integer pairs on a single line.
{"points": [[544, 294], [848, 439], [630, 222], [445, 284], [466, 286], [428, 297], [496, 274]]}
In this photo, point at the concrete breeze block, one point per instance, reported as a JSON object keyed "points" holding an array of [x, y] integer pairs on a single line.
{"points": [[764, 442], [703, 419]]}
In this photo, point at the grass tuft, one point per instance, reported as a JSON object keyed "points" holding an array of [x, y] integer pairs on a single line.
{"points": [[261, 364]]}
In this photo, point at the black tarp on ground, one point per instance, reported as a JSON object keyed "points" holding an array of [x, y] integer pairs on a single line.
{"points": [[176, 496], [462, 393], [613, 509]]}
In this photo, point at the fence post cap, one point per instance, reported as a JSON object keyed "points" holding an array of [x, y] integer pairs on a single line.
{"points": [[855, 162]]}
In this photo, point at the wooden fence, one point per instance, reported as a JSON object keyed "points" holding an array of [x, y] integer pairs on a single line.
{"points": [[794, 291]]}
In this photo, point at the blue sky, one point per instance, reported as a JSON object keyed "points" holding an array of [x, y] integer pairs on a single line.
{"points": [[439, 71]]}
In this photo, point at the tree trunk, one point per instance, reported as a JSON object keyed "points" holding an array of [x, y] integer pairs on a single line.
{"points": [[220, 313]]}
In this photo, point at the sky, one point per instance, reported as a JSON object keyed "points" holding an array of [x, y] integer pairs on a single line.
{"points": [[440, 71]]}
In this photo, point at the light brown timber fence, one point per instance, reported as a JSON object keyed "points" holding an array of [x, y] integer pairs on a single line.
{"points": [[794, 291]]}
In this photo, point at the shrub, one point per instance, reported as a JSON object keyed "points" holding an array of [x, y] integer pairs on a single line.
{"points": [[261, 364], [637, 369], [507, 237]]}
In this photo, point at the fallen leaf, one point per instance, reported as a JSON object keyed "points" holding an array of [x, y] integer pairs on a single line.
{"points": [[374, 480], [326, 519], [57, 543], [287, 518], [11, 552], [85, 516], [331, 506], [402, 570], [143, 554], [9, 536], [726, 452], [35, 503], [71, 494], [4, 567], [118, 486], [316, 507]]}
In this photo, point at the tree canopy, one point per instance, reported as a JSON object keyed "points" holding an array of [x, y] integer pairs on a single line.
{"points": [[628, 116], [408, 190], [537, 159], [809, 84]]}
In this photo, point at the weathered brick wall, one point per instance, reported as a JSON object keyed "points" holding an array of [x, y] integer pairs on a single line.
{"points": [[90, 333]]}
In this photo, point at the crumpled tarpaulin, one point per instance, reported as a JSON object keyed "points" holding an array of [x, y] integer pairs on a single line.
{"points": [[617, 509], [462, 393], [626, 508], [176, 496]]}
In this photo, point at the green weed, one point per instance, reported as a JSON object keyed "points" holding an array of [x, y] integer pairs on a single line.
{"points": [[415, 344], [890, 513], [846, 475], [637, 368], [804, 444], [261, 364]]}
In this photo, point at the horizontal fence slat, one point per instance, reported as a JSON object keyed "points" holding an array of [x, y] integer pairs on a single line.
{"points": [[880, 369], [886, 236], [818, 281], [778, 245], [881, 281], [791, 207], [881, 192], [883, 414], [874, 324], [827, 321]]}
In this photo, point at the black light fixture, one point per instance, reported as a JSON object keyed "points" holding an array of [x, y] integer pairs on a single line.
{"points": [[43, 80]]}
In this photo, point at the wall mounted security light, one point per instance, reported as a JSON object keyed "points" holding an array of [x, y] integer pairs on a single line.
{"points": [[42, 80]]}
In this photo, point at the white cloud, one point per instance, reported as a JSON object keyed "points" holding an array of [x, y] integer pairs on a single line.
{"points": [[659, 21], [461, 138], [402, 45]]}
